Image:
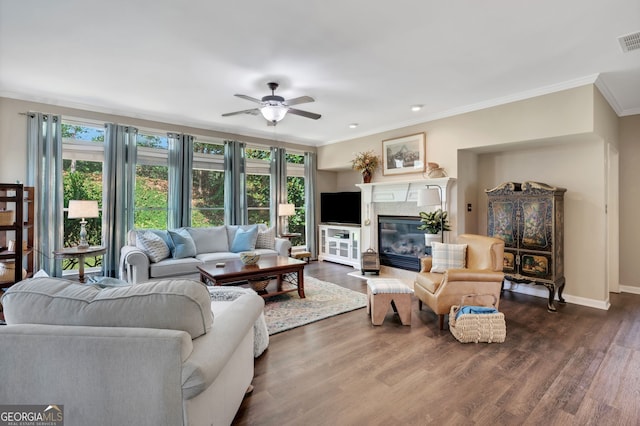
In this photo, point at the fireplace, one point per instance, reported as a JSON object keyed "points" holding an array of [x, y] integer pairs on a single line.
{"points": [[400, 242]]}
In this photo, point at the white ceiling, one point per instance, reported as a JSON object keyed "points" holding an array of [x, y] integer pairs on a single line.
{"points": [[364, 62]]}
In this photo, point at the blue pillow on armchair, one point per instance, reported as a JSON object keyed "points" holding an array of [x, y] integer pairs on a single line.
{"points": [[245, 239]]}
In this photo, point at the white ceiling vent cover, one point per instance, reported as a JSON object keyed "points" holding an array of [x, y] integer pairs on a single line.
{"points": [[630, 42]]}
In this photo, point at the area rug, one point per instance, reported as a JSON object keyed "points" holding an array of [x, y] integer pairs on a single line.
{"points": [[322, 300]]}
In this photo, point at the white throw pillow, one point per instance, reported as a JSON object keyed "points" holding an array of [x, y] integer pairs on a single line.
{"points": [[266, 239], [153, 246], [447, 256]]}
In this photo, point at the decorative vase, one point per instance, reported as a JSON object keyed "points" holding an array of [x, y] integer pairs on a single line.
{"points": [[429, 238], [366, 176]]}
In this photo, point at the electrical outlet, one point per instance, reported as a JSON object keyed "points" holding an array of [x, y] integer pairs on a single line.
{"points": [[468, 207]]}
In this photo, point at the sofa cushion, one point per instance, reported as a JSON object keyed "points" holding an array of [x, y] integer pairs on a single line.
{"points": [[183, 243], [447, 256], [168, 304], [174, 267], [266, 238], [245, 239], [210, 239], [152, 245]]}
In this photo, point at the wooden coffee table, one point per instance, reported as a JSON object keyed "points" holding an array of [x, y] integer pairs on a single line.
{"points": [[235, 273]]}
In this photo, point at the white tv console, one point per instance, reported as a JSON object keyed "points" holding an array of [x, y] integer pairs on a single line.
{"points": [[340, 244]]}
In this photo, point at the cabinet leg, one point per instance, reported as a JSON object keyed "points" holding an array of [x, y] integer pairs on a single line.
{"points": [[560, 290], [552, 293]]}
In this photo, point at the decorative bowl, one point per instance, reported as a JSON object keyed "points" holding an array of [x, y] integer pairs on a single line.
{"points": [[249, 257]]}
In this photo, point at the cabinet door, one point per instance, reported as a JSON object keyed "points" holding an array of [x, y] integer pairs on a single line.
{"points": [[502, 224], [355, 246], [323, 241], [536, 223], [536, 265]]}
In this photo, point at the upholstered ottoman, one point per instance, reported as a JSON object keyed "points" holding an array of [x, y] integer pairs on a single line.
{"points": [[382, 292]]}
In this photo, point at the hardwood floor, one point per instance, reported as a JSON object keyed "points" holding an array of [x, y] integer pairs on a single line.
{"points": [[578, 366]]}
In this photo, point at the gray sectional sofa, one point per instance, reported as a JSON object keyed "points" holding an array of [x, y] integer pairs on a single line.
{"points": [[157, 353], [144, 258]]}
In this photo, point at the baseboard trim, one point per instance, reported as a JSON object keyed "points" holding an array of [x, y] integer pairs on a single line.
{"points": [[538, 291], [629, 289]]}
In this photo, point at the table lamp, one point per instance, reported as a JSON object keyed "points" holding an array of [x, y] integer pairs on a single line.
{"points": [[286, 210], [82, 209]]}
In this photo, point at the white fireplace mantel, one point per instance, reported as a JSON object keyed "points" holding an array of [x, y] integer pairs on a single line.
{"points": [[401, 191], [395, 196]]}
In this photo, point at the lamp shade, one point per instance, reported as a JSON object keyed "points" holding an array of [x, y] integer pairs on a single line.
{"points": [[429, 197], [286, 210], [274, 112], [80, 209]]}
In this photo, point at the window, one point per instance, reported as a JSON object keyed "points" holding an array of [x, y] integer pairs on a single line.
{"points": [[258, 183], [207, 190], [82, 165], [295, 196], [151, 206]]}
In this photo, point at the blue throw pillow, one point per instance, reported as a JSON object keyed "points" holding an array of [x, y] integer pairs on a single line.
{"points": [[245, 239], [183, 243]]}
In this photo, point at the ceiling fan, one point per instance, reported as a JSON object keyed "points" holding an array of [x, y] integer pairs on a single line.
{"points": [[274, 107]]}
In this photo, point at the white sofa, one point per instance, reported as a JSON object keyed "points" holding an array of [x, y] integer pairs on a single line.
{"points": [[212, 245], [149, 354]]}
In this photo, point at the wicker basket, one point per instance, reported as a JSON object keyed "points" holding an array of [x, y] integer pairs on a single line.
{"points": [[259, 284], [490, 328], [7, 217]]}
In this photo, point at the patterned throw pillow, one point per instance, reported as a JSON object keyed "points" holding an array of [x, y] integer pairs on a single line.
{"points": [[152, 245], [266, 239], [447, 256]]}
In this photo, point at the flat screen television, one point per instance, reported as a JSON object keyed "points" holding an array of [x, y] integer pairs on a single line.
{"points": [[340, 207]]}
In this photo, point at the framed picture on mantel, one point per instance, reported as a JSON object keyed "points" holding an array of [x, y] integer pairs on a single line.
{"points": [[404, 155]]}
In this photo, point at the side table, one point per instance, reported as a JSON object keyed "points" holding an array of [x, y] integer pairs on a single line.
{"points": [[80, 254], [289, 236]]}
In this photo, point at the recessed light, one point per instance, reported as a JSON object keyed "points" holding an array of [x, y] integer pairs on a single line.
{"points": [[416, 108], [353, 125]]}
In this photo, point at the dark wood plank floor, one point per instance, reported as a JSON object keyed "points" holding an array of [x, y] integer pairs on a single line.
{"points": [[578, 366]]}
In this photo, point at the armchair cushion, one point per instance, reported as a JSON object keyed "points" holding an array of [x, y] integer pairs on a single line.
{"points": [[447, 256]]}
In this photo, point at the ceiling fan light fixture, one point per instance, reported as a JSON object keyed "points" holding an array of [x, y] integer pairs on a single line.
{"points": [[274, 113]]}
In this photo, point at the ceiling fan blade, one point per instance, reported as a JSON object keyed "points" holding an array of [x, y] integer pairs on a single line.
{"points": [[300, 100], [253, 111], [249, 98], [307, 114]]}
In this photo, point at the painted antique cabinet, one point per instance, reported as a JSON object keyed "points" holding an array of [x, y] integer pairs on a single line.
{"points": [[529, 217]]}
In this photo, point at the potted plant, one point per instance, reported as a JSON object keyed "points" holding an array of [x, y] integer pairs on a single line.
{"points": [[365, 163], [434, 223]]}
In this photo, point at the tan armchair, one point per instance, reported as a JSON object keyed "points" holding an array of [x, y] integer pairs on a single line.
{"points": [[482, 275]]}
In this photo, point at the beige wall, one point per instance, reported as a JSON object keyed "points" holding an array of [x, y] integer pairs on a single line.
{"points": [[13, 132], [550, 139], [577, 166], [629, 201]]}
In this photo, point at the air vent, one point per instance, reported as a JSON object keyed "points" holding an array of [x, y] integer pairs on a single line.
{"points": [[630, 42]]}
